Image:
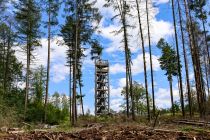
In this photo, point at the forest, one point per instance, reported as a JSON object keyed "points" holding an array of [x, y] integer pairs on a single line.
{"points": [[50, 86]]}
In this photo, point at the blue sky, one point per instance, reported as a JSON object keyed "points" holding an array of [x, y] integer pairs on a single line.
{"points": [[161, 26]]}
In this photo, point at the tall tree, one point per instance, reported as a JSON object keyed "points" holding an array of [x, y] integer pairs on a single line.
{"points": [[150, 53], [27, 15], [185, 58], [123, 11], [195, 56], [168, 62], [198, 7], [81, 15], [144, 59], [10, 67], [51, 7], [39, 84], [179, 62]]}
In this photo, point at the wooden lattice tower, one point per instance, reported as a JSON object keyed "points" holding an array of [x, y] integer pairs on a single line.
{"points": [[101, 87]]}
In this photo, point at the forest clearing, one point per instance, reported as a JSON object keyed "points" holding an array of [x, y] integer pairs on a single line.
{"points": [[104, 69]]}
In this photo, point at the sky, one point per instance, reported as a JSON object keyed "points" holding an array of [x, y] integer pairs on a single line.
{"points": [[161, 27]]}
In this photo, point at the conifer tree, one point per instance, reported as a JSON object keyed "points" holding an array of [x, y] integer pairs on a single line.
{"points": [[185, 57], [195, 58], [123, 12], [179, 62], [10, 67], [51, 7], [27, 15], [144, 59], [168, 62], [150, 53], [79, 31]]}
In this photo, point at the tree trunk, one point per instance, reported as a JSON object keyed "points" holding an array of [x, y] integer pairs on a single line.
{"points": [[195, 57], [6, 85], [131, 90], [143, 51], [48, 64], [206, 74], [70, 104], [27, 78], [81, 98], [205, 36], [150, 53], [179, 65], [185, 60], [4, 60], [74, 104], [126, 54], [172, 99]]}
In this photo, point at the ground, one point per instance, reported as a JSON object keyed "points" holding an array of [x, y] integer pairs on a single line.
{"points": [[164, 130]]}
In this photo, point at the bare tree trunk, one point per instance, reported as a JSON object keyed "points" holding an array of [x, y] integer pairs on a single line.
{"points": [[143, 50], [74, 104], [4, 59], [6, 85], [131, 90], [178, 56], [48, 65], [81, 98], [123, 18], [206, 74], [27, 78], [172, 98], [195, 57], [70, 104], [205, 36], [185, 59], [150, 53]]}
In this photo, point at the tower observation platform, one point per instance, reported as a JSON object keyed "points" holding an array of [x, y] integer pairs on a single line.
{"points": [[101, 87]]}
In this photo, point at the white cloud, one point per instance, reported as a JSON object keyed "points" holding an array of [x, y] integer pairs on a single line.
{"points": [[116, 91], [163, 98], [115, 104], [117, 68], [137, 65], [58, 70], [158, 28]]}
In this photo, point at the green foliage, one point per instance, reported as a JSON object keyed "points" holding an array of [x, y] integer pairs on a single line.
{"points": [[81, 20], [11, 96], [51, 7], [10, 68], [9, 115], [139, 95], [57, 110], [198, 7], [28, 18], [168, 60]]}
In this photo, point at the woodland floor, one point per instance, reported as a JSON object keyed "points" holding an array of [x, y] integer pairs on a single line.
{"points": [[124, 131]]}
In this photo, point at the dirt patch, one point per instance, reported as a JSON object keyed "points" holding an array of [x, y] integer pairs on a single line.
{"points": [[112, 132]]}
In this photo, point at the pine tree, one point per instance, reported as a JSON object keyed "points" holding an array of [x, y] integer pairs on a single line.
{"points": [[195, 58], [179, 62], [10, 67], [28, 21], [52, 8], [123, 11], [144, 59], [78, 31], [185, 57], [168, 62], [198, 7], [150, 53]]}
